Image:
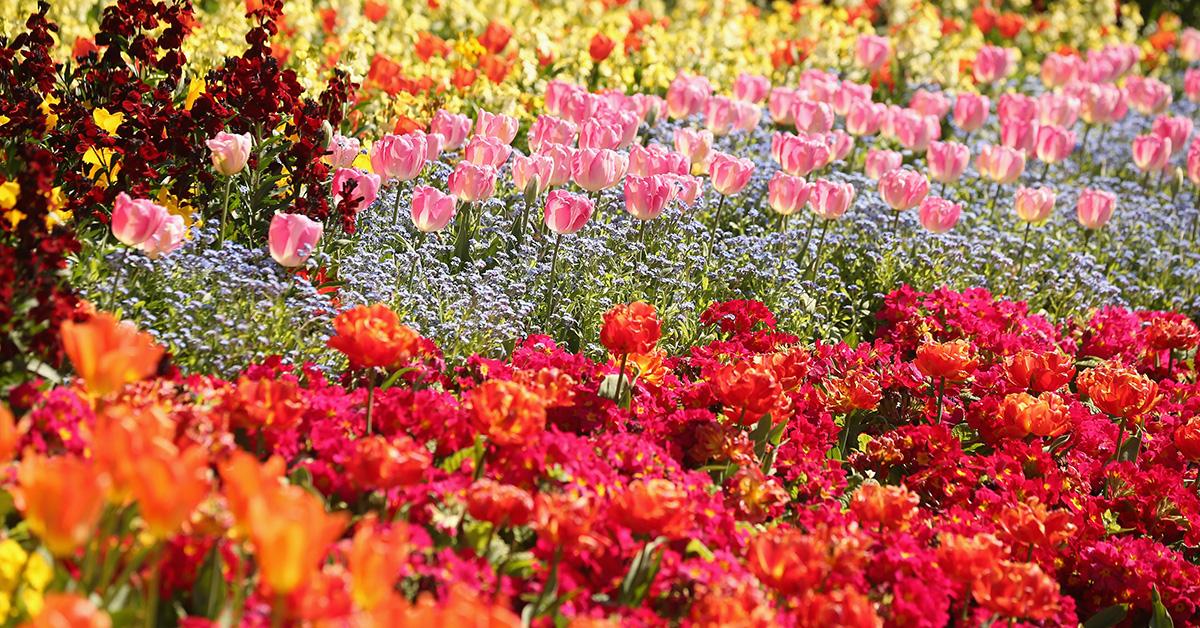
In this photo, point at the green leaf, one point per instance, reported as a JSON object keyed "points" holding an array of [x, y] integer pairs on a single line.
{"points": [[454, 461], [209, 590], [697, 547], [1107, 617], [608, 390], [1130, 448], [1160, 618]]}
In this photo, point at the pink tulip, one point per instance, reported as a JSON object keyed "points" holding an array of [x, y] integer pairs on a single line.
{"points": [[342, 151], [864, 118], [548, 130], [971, 111], [561, 155], [1058, 70], [649, 106], [654, 159], [1189, 45], [1193, 165], [719, 115], [452, 126], [1054, 143], [556, 92], [1151, 153], [626, 123], [484, 150], [168, 237], [1101, 104], [536, 169], [1149, 96], [829, 199], [687, 95], [939, 215], [497, 125], [230, 152], [871, 52], [903, 189], [847, 94], [1000, 163], [435, 143], [1017, 107], [1019, 134], [431, 209], [596, 169], [695, 145], [914, 131], [579, 106], [787, 194], [1059, 109], [947, 161], [751, 87], [647, 197], [596, 134], [800, 156], [1191, 84], [779, 105], [929, 103], [747, 115], [565, 213], [818, 85], [363, 188], [472, 182], [1175, 128], [729, 174], [880, 162], [687, 187], [398, 157], [992, 63], [292, 238], [135, 221], [1095, 207], [1034, 204], [811, 116], [840, 144]]}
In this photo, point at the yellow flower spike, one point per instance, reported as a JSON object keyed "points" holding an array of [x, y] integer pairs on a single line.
{"points": [[108, 121], [10, 191]]}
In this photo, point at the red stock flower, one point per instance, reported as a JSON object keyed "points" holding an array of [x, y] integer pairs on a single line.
{"points": [[1119, 390], [1037, 371], [1046, 415], [507, 412], [652, 507], [499, 504], [630, 328], [953, 361], [747, 390]]}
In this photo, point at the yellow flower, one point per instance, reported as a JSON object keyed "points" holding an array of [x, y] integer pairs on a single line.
{"points": [[47, 108], [195, 88], [175, 207], [10, 191], [4, 120], [13, 217], [108, 121], [104, 165]]}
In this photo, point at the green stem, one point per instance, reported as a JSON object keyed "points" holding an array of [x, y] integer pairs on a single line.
{"points": [[396, 205], [712, 231], [941, 391], [152, 594], [621, 376], [225, 210], [370, 399], [812, 269], [1021, 255], [550, 284]]}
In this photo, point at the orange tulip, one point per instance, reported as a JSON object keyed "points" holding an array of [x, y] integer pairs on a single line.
{"points": [[247, 480], [1022, 414], [376, 557], [1017, 590], [881, 506], [120, 438], [372, 336], [61, 499], [507, 412], [952, 361], [291, 533], [1119, 390], [652, 507], [168, 485], [68, 610], [10, 435], [109, 354]]}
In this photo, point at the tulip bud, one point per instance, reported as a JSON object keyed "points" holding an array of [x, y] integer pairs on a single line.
{"points": [[292, 238]]}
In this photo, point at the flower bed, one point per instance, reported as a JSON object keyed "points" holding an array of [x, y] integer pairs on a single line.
{"points": [[687, 314]]}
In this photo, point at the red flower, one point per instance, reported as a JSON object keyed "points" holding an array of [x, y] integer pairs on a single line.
{"points": [[372, 336], [856, 390], [1017, 590], [965, 558], [630, 328], [846, 607], [375, 10], [1187, 439], [953, 361], [1170, 331], [1009, 25], [747, 390], [1039, 372], [507, 412], [1119, 390], [463, 78], [651, 507], [495, 37], [499, 504], [429, 45], [984, 18], [600, 47], [878, 506], [380, 464]]}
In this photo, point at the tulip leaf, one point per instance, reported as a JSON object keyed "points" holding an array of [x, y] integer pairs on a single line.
{"points": [[454, 461], [209, 590], [1160, 617], [1130, 448], [608, 390], [1107, 617]]}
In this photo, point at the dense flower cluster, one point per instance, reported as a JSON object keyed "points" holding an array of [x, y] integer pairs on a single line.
{"points": [[972, 460]]}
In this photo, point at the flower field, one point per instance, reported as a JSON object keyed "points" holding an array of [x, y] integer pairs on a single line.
{"points": [[599, 313]]}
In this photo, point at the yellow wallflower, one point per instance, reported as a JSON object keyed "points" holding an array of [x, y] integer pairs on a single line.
{"points": [[108, 121], [104, 163], [195, 88], [10, 191]]}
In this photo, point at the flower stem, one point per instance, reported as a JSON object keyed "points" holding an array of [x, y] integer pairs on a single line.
{"points": [[941, 391], [621, 376], [1021, 255], [550, 284], [712, 231], [225, 210], [370, 399]]}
